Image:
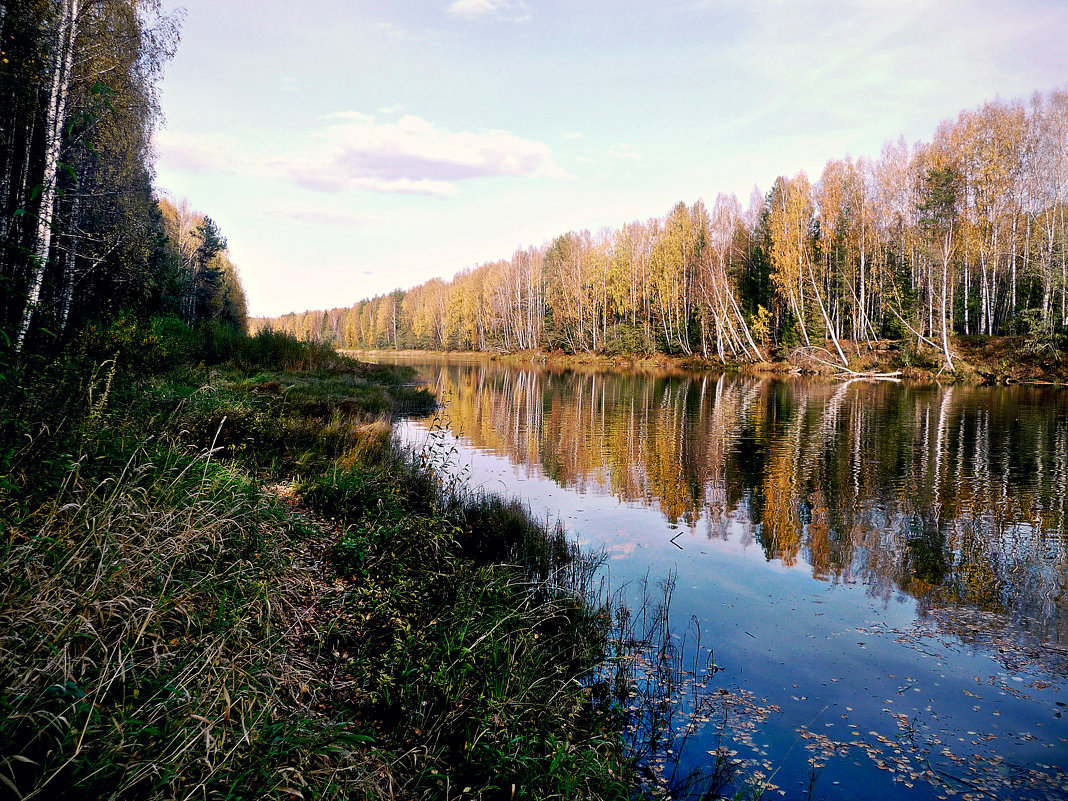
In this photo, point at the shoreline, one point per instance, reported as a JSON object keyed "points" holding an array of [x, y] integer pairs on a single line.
{"points": [[997, 361]]}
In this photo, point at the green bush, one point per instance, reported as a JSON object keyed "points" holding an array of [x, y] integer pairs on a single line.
{"points": [[625, 339]]}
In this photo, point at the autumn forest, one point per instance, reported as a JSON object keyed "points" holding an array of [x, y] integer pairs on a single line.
{"points": [[238, 563], [963, 235]]}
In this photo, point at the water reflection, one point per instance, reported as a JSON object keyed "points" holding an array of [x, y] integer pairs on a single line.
{"points": [[954, 496], [879, 568]]}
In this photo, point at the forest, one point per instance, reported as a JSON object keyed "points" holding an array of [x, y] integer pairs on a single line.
{"points": [[222, 577], [964, 235], [85, 236]]}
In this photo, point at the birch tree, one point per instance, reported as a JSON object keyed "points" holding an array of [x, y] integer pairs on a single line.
{"points": [[941, 190], [55, 116]]}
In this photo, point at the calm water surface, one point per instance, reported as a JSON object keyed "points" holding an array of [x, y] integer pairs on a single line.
{"points": [[878, 571]]}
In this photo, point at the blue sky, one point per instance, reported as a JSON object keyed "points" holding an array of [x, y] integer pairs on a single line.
{"points": [[349, 148]]}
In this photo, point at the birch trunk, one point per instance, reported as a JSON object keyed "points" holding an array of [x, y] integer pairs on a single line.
{"points": [[826, 317], [57, 109], [71, 265], [946, 254]]}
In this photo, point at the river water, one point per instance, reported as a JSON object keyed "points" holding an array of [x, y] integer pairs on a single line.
{"points": [[869, 577]]}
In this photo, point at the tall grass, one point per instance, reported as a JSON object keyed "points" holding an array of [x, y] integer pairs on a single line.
{"points": [[138, 650], [227, 582], [466, 630]]}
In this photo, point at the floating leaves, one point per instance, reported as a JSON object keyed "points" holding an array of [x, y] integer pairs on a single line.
{"points": [[914, 756]]}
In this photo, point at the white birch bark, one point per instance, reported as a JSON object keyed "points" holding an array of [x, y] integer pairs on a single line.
{"points": [[826, 317], [947, 250], [57, 109]]}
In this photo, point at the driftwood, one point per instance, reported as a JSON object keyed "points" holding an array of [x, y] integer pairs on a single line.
{"points": [[844, 372]]}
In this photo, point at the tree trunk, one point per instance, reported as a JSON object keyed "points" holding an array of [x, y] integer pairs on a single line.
{"points": [[826, 318], [71, 265], [967, 289], [863, 327], [1012, 278], [57, 109], [945, 295]]}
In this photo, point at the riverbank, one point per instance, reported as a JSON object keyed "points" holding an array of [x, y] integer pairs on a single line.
{"points": [[227, 581], [977, 360]]}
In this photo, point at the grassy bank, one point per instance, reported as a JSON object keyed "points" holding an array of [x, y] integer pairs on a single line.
{"points": [[223, 580]]}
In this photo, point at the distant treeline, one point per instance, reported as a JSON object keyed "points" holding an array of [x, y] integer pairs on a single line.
{"points": [[965, 234], [83, 236]]}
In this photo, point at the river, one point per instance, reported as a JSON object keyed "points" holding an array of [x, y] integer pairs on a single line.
{"points": [[869, 578]]}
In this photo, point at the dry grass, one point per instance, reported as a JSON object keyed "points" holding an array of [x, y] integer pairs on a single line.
{"points": [[141, 618], [226, 582], [169, 628]]}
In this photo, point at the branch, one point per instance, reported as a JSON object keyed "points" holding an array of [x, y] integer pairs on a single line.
{"points": [[916, 333], [845, 371]]}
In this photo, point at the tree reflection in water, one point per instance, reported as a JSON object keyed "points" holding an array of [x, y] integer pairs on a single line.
{"points": [[880, 567], [955, 496]]}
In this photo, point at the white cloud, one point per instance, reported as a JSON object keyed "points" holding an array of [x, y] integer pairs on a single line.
{"points": [[357, 116], [198, 153], [857, 56], [495, 9], [355, 152], [322, 178], [413, 156]]}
